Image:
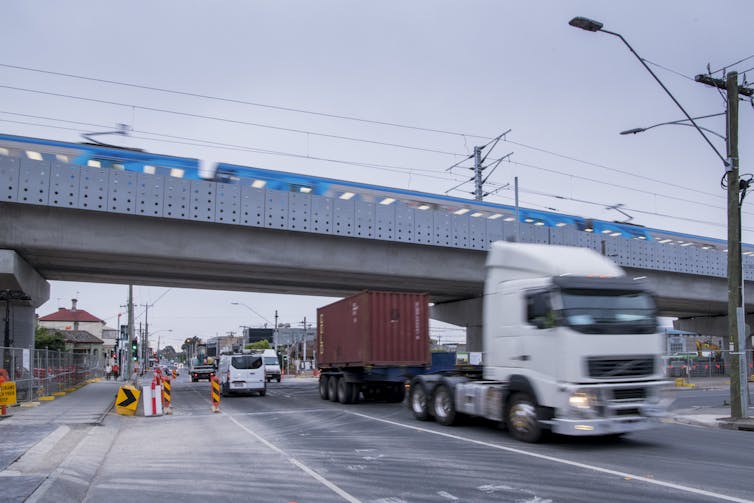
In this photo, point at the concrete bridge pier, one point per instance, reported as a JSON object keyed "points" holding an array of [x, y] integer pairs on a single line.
{"points": [[22, 290], [464, 313]]}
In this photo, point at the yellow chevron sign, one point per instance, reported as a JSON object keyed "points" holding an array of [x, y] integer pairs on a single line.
{"points": [[127, 400]]}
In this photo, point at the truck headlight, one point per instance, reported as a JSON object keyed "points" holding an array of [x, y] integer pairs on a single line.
{"points": [[582, 400]]}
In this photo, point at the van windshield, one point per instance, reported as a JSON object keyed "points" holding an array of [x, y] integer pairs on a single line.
{"points": [[608, 311], [271, 360], [246, 362]]}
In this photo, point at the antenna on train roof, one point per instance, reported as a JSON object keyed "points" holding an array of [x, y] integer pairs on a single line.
{"points": [[123, 130]]}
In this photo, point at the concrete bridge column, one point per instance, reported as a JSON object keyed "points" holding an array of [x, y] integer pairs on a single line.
{"points": [[465, 313], [22, 290]]}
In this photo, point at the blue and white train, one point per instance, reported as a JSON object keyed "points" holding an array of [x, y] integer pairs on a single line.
{"points": [[109, 157]]}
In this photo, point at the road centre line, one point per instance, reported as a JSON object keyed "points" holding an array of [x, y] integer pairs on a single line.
{"points": [[330, 485], [553, 459]]}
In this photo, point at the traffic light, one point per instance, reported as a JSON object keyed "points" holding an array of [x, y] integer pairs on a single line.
{"points": [[135, 349]]}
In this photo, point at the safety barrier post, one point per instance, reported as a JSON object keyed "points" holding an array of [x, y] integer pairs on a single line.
{"points": [[154, 398], [3, 376], [215, 393], [166, 396]]}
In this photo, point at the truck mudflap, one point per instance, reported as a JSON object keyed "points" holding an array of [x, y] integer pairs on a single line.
{"points": [[651, 417]]}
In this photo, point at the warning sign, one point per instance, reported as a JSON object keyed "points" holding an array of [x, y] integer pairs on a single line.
{"points": [[127, 400], [8, 393]]}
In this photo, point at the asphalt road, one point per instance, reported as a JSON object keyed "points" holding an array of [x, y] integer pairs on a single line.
{"points": [[291, 446]]}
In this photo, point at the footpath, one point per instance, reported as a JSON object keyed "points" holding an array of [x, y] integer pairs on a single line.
{"points": [[715, 416]]}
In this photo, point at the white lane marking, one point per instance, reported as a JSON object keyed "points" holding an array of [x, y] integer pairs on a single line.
{"points": [[553, 459], [447, 496], [334, 488]]}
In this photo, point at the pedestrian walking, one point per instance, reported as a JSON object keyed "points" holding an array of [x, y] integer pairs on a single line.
{"points": [[108, 371], [116, 371]]}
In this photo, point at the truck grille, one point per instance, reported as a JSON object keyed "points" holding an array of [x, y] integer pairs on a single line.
{"points": [[629, 393], [638, 366]]}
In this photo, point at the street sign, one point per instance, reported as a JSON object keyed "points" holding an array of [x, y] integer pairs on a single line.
{"points": [[8, 393], [127, 400]]}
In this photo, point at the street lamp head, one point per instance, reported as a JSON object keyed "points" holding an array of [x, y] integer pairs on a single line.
{"points": [[634, 130], [586, 24]]}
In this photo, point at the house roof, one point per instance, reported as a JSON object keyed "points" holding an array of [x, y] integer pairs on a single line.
{"points": [[79, 337], [71, 315]]}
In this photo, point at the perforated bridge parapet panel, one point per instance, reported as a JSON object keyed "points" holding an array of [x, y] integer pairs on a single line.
{"points": [[52, 183]]}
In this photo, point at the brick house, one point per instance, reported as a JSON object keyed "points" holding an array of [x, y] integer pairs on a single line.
{"points": [[81, 330]]}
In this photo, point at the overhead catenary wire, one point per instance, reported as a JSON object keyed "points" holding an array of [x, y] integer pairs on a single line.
{"points": [[246, 102], [230, 121]]}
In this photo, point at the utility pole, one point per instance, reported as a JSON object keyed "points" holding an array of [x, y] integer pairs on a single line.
{"points": [[130, 329], [739, 393], [146, 333], [275, 334], [478, 189]]}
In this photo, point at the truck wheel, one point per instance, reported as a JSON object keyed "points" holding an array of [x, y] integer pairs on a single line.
{"points": [[323, 387], [278, 378], [344, 389], [443, 406], [354, 390], [263, 392], [418, 401], [332, 388], [521, 418]]}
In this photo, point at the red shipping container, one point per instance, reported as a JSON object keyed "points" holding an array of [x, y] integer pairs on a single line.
{"points": [[378, 329]]}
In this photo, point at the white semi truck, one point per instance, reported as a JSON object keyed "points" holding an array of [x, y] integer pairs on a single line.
{"points": [[571, 345]]}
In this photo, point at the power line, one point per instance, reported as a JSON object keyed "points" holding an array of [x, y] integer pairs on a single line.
{"points": [[244, 102], [733, 64], [608, 168], [668, 69], [230, 121]]}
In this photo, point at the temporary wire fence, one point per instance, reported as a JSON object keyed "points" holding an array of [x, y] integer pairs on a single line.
{"points": [[42, 372]]}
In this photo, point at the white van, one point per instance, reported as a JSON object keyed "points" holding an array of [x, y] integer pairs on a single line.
{"points": [[271, 365], [241, 373]]}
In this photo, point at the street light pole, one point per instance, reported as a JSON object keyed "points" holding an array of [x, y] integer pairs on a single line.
{"points": [[591, 25], [736, 318]]}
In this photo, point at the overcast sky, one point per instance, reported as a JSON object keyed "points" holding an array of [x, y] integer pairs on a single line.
{"points": [[470, 69]]}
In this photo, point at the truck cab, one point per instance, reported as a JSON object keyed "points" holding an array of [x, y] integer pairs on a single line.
{"points": [[570, 345]]}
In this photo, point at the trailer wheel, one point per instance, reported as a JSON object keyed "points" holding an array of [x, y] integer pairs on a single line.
{"points": [[323, 387], [344, 391], [354, 390], [443, 406], [419, 402], [332, 388], [522, 420]]}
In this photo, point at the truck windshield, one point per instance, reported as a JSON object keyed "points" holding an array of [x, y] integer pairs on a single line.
{"points": [[609, 311], [271, 360]]}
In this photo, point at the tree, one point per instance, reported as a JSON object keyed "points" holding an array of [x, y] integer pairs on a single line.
{"points": [[48, 339], [263, 344]]}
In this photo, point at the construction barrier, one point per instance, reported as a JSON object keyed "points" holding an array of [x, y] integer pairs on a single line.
{"points": [[166, 385], [7, 392], [215, 393], [153, 405]]}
